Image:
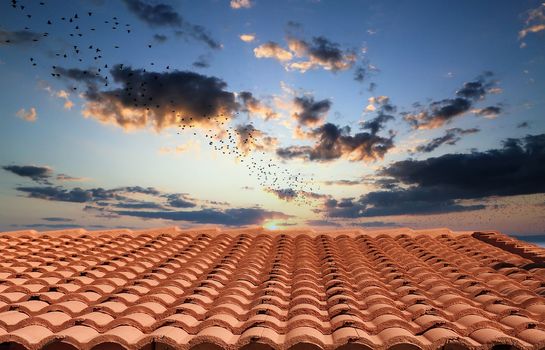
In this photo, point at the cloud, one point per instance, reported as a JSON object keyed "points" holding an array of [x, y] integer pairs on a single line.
{"points": [[57, 219], [444, 184], [76, 195], [189, 146], [320, 53], [451, 137], [29, 116], [151, 203], [373, 224], [418, 201], [287, 194], [202, 62], [138, 205], [199, 33], [441, 112], [164, 15], [240, 4], [272, 50], [377, 124], [255, 107], [489, 112], [179, 200], [247, 38], [249, 138], [155, 15], [534, 23], [516, 168], [68, 178], [40, 174], [150, 99], [382, 106], [360, 74], [342, 182], [310, 112], [228, 217], [68, 104], [334, 142], [89, 77], [18, 37], [523, 125], [160, 38]]}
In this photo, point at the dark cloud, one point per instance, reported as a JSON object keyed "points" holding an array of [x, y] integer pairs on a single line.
{"points": [[490, 111], [39, 174], [451, 137], [293, 25], [138, 205], [18, 37], [155, 15], [228, 217], [127, 201], [516, 168], [139, 189], [478, 89], [334, 142], [157, 99], [523, 125], [310, 112], [287, 194], [360, 73], [253, 106], [199, 33], [177, 200], [320, 52], [57, 219], [445, 184], [77, 195], [383, 108], [164, 15], [439, 113], [377, 124], [160, 38], [91, 78], [416, 201], [202, 62], [373, 224]]}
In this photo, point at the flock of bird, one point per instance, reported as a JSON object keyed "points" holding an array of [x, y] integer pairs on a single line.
{"points": [[226, 140], [246, 147]]}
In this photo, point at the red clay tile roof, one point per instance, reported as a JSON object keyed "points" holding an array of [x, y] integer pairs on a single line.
{"points": [[257, 289]]}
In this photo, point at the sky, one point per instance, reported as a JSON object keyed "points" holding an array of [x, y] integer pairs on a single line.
{"points": [[322, 113]]}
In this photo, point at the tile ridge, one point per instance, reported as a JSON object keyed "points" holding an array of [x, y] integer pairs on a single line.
{"points": [[214, 230], [512, 245]]}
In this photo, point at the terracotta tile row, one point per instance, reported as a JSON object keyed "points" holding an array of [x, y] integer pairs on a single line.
{"points": [[178, 289]]}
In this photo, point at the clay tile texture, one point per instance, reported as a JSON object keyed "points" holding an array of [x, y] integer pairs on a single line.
{"points": [[256, 289]]}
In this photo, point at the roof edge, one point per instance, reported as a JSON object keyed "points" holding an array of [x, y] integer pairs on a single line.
{"points": [[255, 230]]}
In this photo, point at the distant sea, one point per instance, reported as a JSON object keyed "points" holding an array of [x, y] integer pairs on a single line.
{"points": [[538, 239]]}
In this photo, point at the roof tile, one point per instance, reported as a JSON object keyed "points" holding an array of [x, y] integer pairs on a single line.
{"points": [[303, 288]]}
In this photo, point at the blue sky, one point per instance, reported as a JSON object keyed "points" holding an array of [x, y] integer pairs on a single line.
{"points": [[444, 103]]}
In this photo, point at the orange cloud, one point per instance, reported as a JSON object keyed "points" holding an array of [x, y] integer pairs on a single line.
{"points": [[272, 50], [247, 38], [29, 116]]}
